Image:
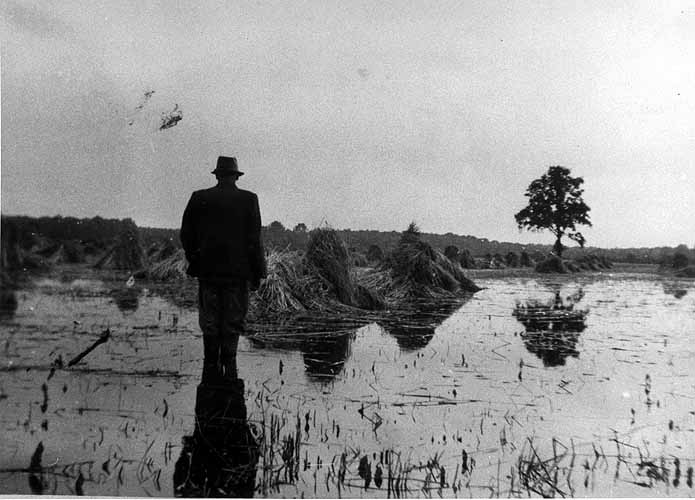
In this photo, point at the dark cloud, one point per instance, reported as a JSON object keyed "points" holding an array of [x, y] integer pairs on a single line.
{"points": [[35, 21]]}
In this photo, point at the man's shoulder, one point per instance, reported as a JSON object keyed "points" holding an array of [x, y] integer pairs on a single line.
{"points": [[199, 192], [202, 194], [248, 194], [214, 193]]}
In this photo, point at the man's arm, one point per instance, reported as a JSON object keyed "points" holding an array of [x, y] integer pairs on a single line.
{"points": [[256, 252], [188, 235]]}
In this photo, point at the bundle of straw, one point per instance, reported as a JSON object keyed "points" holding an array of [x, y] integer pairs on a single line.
{"points": [[281, 292], [327, 256], [171, 268], [419, 271]]}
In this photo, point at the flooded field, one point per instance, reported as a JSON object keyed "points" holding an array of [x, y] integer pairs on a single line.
{"points": [[571, 386]]}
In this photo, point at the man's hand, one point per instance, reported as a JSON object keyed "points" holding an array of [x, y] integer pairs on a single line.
{"points": [[193, 269]]}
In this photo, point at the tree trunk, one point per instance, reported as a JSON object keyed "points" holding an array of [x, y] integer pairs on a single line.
{"points": [[558, 247]]}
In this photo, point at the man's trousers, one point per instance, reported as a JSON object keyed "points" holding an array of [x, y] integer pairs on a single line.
{"points": [[222, 310]]}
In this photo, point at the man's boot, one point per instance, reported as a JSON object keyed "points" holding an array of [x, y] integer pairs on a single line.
{"points": [[211, 361]]}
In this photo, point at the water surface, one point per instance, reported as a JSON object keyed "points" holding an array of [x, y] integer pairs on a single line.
{"points": [[564, 386]]}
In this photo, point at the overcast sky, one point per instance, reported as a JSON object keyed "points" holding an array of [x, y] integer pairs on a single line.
{"points": [[359, 114]]}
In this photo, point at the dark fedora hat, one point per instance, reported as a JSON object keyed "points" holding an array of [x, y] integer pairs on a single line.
{"points": [[226, 165]]}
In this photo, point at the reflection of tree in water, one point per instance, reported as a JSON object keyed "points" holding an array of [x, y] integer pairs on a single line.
{"points": [[552, 328], [220, 458], [127, 299], [414, 329], [675, 290]]}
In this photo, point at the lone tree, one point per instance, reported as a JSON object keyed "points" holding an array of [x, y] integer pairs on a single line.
{"points": [[556, 204]]}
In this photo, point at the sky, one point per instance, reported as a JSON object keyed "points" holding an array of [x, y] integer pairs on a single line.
{"points": [[355, 114]]}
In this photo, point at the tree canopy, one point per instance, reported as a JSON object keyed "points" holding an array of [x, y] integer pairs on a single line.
{"points": [[555, 204]]}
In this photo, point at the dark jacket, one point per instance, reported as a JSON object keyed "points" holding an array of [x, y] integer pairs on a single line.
{"points": [[221, 235]]}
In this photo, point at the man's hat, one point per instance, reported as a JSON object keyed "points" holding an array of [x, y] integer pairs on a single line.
{"points": [[226, 165]]}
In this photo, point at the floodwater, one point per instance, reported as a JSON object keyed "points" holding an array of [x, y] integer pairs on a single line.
{"points": [[579, 385]]}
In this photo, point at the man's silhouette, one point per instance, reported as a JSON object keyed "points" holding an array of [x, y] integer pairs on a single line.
{"points": [[221, 235]]}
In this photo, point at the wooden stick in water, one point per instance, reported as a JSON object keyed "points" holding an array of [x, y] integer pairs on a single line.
{"points": [[105, 335]]}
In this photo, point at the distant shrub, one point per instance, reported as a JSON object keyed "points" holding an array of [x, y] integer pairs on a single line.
{"points": [[512, 259], [498, 261], [680, 260], [552, 264], [482, 263], [525, 260]]}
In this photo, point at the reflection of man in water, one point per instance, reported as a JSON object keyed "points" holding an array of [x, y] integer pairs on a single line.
{"points": [[220, 458], [221, 235]]}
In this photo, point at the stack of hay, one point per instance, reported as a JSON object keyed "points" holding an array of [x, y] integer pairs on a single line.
{"points": [[69, 252], [126, 254], [322, 280], [592, 262], [161, 250], [416, 270], [171, 268], [330, 265], [283, 290], [375, 254]]}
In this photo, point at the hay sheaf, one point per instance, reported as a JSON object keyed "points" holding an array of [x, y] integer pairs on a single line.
{"points": [[284, 288], [172, 268], [420, 271], [328, 258], [320, 281], [126, 254], [161, 250], [69, 252], [375, 254], [592, 262], [554, 264]]}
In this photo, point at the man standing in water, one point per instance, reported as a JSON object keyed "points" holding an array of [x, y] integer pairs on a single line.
{"points": [[221, 236]]}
